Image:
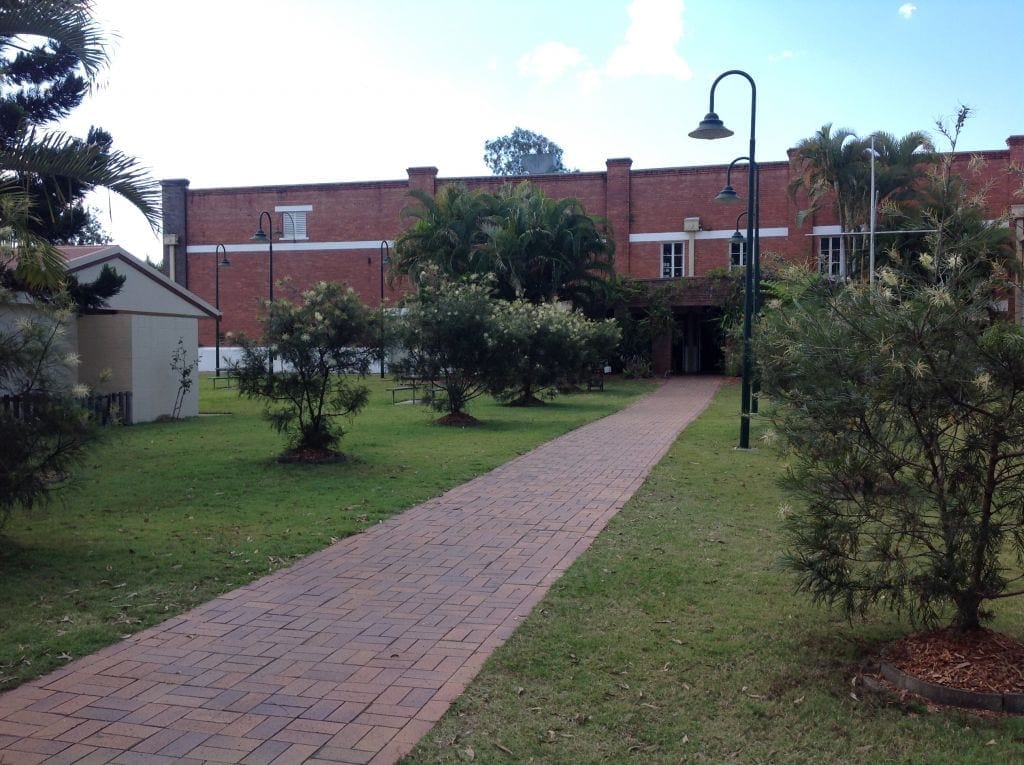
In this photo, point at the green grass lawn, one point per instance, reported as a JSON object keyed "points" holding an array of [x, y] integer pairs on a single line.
{"points": [[161, 517], [677, 638]]}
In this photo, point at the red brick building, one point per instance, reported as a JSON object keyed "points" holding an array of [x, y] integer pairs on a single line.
{"points": [[665, 226]]}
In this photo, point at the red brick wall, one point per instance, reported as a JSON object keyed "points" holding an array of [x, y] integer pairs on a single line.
{"points": [[633, 201]]}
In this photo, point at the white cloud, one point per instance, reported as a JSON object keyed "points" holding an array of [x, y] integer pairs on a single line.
{"points": [[907, 10], [780, 56], [655, 29], [549, 61], [648, 48]]}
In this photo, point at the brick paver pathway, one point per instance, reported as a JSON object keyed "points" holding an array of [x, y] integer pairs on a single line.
{"points": [[352, 654]]}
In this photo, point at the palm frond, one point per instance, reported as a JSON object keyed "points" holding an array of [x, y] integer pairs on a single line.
{"points": [[68, 23], [58, 154]]}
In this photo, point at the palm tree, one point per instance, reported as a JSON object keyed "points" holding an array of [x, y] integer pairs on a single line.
{"points": [[830, 166], [545, 249], [68, 27], [536, 248], [835, 166], [448, 232], [902, 165]]}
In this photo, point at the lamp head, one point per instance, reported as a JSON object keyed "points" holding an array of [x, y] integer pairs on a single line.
{"points": [[737, 238], [728, 195], [224, 262], [711, 127], [260, 236]]}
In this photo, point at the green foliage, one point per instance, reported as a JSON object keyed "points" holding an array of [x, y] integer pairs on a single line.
{"points": [[450, 335], [900, 412], [44, 173], [319, 342], [96, 293], [637, 366], [546, 346], [447, 233], [535, 248], [833, 168], [44, 433], [542, 249], [505, 155], [87, 296]]}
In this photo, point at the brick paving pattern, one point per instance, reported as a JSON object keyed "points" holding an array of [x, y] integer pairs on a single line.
{"points": [[352, 654]]}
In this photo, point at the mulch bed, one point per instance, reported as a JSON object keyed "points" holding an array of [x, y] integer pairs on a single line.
{"points": [[982, 661], [458, 420]]}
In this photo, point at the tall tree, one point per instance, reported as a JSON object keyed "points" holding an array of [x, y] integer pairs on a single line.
{"points": [[535, 247], [43, 82], [447, 232], [543, 249], [833, 168], [510, 154], [899, 410], [40, 82], [829, 168]]}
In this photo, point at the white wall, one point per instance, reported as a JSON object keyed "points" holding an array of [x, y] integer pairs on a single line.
{"points": [[227, 353], [154, 340], [207, 354], [105, 348]]}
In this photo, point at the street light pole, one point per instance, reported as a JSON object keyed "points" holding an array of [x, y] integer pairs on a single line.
{"points": [[261, 236], [711, 127], [385, 253], [217, 265]]}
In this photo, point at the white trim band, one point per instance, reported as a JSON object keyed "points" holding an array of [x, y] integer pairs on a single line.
{"points": [[202, 249], [677, 236]]}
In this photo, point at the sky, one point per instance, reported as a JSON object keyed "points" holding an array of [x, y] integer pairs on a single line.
{"points": [[253, 92]]}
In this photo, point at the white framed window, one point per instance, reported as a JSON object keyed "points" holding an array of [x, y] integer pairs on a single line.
{"points": [[737, 254], [293, 221], [830, 256], [673, 260]]}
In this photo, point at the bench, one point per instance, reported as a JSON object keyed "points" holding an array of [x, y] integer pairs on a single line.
{"points": [[224, 381], [412, 385], [401, 388]]}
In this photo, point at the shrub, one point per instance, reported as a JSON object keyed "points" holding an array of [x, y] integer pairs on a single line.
{"points": [[546, 346], [319, 343]]}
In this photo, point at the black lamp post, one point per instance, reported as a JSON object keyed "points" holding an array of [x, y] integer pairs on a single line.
{"points": [[261, 236], [218, 264], [738, 239], [729, 195], [385, 253], [711, 127]]}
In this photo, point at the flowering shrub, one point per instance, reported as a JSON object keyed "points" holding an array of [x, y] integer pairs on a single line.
{"points": [[319, 343], [547, 346], [452, 338]]}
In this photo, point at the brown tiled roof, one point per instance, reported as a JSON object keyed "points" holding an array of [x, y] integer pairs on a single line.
{"points": [[71, 252]]}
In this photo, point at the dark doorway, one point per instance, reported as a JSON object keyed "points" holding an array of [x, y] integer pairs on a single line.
{"points": [[696, 345]]}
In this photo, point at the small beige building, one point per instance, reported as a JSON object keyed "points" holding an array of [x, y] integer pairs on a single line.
{"points": [[129, 344]]}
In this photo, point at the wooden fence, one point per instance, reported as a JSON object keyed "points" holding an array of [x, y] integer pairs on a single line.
{"points": [[106, 409]]}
